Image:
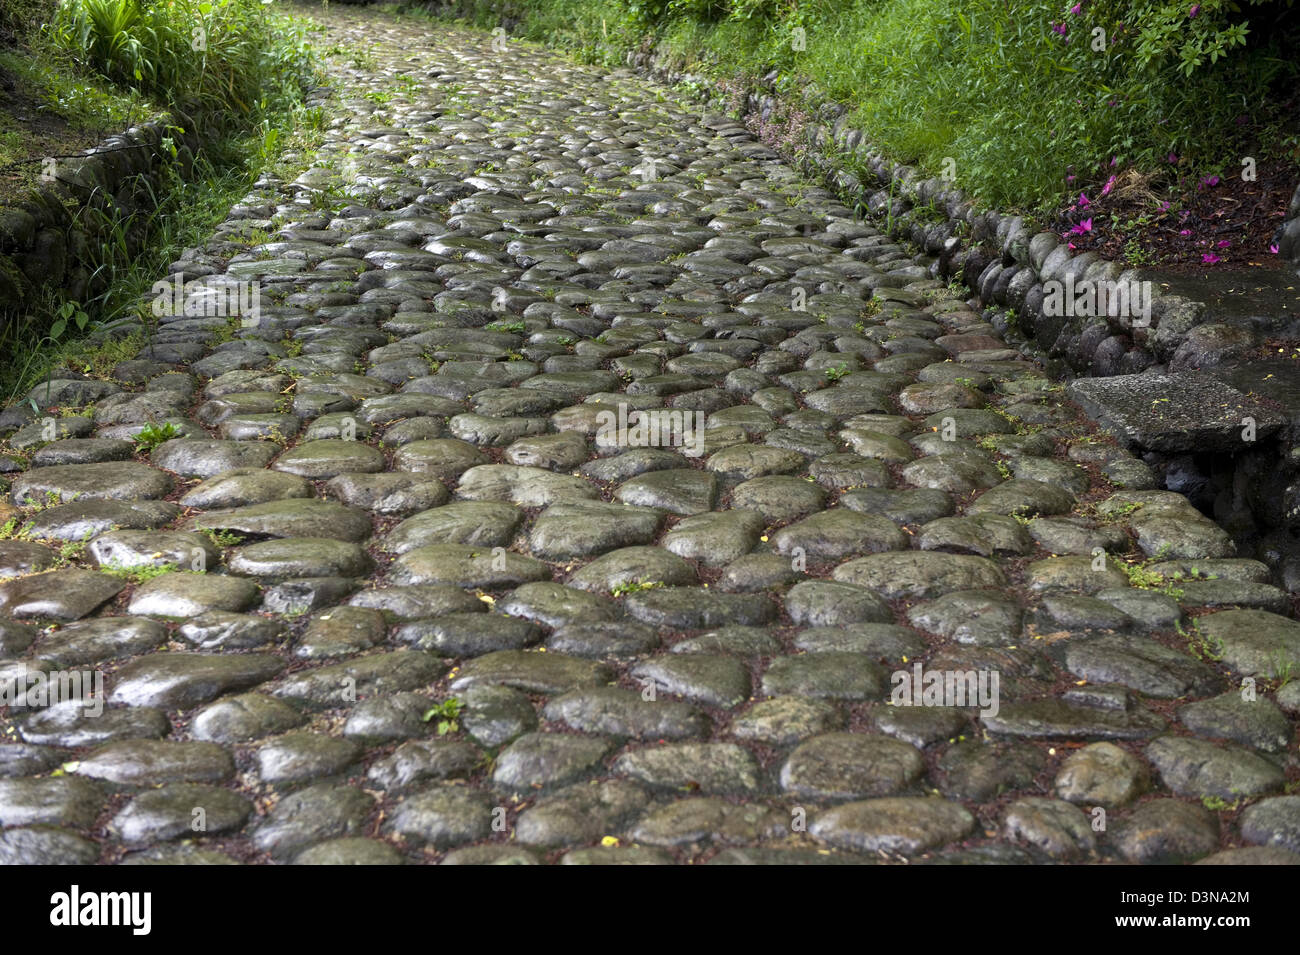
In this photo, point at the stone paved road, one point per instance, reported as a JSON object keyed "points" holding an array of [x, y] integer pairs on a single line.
{"points": [[406, 488]]}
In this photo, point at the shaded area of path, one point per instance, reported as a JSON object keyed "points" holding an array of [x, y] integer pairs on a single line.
{"points": [[404, 589]]}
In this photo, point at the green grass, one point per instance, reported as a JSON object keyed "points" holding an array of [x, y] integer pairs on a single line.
{"points": [[219, 59]]}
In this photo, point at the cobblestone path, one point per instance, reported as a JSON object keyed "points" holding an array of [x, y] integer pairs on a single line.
{"points": [[415, 583]]}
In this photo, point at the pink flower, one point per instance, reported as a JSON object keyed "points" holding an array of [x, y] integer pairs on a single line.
{"points": [[1210, 181], [1196, 8], [1273, 249], [1070, 178], [1209, 258], [1110, 184], [1059, 28], [1185, 232], [1224, 243], [1083, 201], [1077, 9], [1173, 158], [1070, 245], [1082, 228], [1164, 206]]}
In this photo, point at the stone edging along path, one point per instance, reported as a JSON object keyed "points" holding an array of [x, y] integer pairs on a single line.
{"points": [[1165, 351], [49, 239], [404, 589]]}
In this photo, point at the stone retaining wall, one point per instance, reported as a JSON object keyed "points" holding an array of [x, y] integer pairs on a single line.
{"points": [[52, 239]]}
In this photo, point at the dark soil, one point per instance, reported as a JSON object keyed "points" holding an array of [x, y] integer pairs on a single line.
{"points": [[1180, 222]]}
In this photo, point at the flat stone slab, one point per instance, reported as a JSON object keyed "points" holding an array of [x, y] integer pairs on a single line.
{"points": [[108, 480], [68, 594], [143, 762], [1194, 767], [182, 680], [295, 517], [920, 574], [532, 672], [1058, 719], [343, 684], [708, 767], [906, 825], [1185, 411]]}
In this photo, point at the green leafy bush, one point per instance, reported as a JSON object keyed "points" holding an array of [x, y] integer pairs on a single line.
{"points": [[223, 57]]}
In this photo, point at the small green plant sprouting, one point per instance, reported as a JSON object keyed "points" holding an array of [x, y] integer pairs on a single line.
{"points": [[1280, 673], [68, 312], [225, 538], [1205, 647], [1218, 804], [447, 713], [52, 499], [137, 573], [71, 550], [633, 587], [1117, 513], [152, 435], [1140, 577], [836, 373], [516, 327]]}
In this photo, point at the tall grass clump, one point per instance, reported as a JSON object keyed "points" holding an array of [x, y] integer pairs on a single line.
{"points": [[221, 59]]}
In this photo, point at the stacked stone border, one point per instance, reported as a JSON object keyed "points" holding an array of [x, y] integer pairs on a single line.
{"points": [[51, 240]]}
